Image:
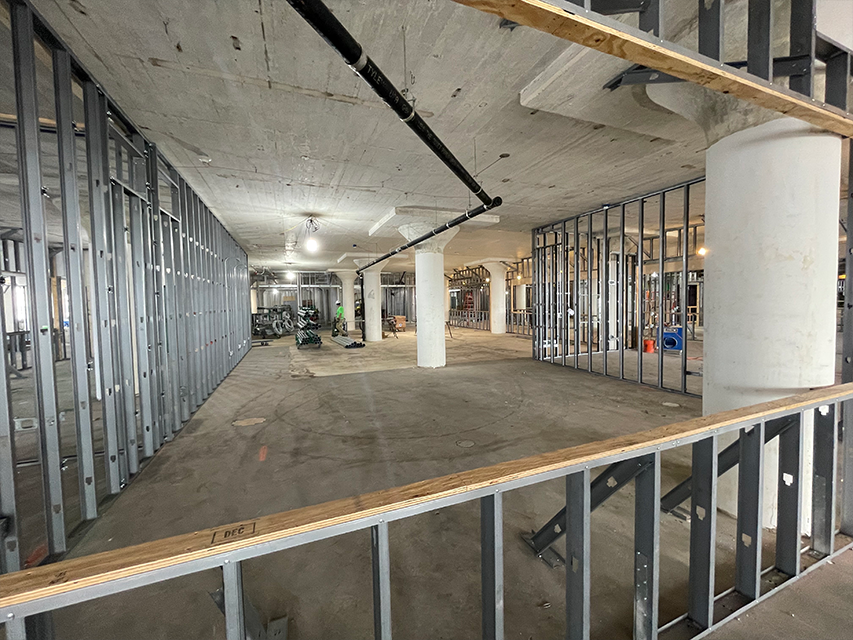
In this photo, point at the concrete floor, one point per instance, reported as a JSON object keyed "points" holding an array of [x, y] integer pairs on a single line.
{"points": [[820, 606], [339, 422], [326, 436]]}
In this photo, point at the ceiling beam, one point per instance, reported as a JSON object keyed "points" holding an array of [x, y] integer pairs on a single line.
{"points": [[617, 39]]}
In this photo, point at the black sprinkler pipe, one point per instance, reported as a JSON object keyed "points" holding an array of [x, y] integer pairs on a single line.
{"points": [[473, 213], [335, 34]]}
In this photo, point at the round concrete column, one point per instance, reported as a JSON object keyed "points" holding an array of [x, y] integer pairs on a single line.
{"points": [[372, 302], [430, 288], [347, 278], [771, 230], [497, 296]]}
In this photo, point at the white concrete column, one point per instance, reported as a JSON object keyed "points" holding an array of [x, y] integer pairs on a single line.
{"points": [[497, 296], [771, 216], [372, 303], [430, 290], [347, 278]]}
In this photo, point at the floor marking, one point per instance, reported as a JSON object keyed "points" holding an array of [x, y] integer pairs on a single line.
{"points": [[262, 454]]}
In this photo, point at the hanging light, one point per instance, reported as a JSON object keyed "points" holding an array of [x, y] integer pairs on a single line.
{"points": [[702, 251], [518, 277], [291, 275]]}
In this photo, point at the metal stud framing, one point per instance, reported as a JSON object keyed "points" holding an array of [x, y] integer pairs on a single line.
{"points": [[73, 251], [38, 271], [144, 275], [640, 463], [591, 308], [381, 581], [492, 553]]}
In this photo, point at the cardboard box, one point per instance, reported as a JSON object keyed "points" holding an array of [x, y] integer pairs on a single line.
{"points": [[400, 322]]}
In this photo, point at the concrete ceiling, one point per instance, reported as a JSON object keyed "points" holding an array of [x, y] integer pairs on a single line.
{"points": [[268, 124]]}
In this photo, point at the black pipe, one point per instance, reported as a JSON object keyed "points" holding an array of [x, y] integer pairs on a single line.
{"points": [[441, 229], [336, 36]]}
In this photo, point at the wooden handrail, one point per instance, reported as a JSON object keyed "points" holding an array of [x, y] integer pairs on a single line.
{"points": [[32, 584], [644, 51]]}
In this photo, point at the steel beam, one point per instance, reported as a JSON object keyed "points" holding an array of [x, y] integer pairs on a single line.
{"points": [[749, 512], [622, 293], [162, 381], [651, 17], [140, 316], [703, 533], [802, 43], [660, 283], [684, 278], [711, 28], [846, 523], [492, 566], [150, 289], [589, 265], [235, 614], [606, 483], [823, 485], [10, 555], [838, 80], [578, 511], [728, 458], [182, 300], [73, 252], [381, 582], [38, 272], [647, 549], [640, 286], [170, 302], [95, 111], [789, 499], [759, 38], [125, 333], [604, 283]]}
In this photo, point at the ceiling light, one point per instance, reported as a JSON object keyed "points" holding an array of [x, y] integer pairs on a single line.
{"points": [[488, 279], [702, 251], [291, 275], [518, 277], [312, 245]]}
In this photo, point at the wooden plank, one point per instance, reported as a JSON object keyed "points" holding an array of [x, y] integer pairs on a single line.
{"points": [[61, 577], [629, 44]]}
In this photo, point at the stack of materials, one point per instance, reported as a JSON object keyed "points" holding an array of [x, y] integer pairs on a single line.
{"points": [[306, 336], [309, 318], [347, 343]]}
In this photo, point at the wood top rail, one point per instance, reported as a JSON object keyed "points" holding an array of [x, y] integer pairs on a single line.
{"points": [[61, 577], [681, 64]]}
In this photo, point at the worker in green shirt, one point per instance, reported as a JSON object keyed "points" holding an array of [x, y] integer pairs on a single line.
{"points": [[339, 324]]}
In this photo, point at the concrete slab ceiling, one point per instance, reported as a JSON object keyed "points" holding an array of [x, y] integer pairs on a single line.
{"points": [[270, 126]]}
